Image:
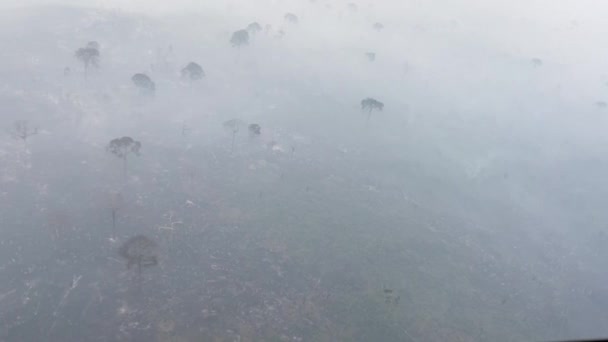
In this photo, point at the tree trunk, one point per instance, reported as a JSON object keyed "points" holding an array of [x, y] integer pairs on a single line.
{"points": [[124, 166], [233, 138], [113, 223]]}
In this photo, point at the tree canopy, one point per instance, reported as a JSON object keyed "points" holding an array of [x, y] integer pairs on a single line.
{"points": [[292, 18], [143, 82], [240, 38], [255, 130], [371, 104], [139, 250], [93, 45], [121, 147], [193, 71], [254, 27]]}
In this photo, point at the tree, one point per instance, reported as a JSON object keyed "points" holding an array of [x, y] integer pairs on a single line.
{"points": [[370, 104], [22, 130], [240, 38], [352, 6], [93, 44], [371, 56], [233, 126], [254, 28], [122, 147], [254, 130], [193, 71], [116, 202], [292, 18], [139, 250], [144, 83], [537, 62], [378, 26], [88, 56]]}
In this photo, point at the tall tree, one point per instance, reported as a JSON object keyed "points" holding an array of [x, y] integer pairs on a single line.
{"points": [[233, 126], [122, 148], [240, 38], [144, 83], [371, 104], [88, 56], [193, 71]]}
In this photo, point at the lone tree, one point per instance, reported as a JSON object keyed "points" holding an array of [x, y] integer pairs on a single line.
{"points": [[122, 147], [144, 83], [233, 126], [193, 71], [378, 26], [291, 18], [254, 28], [23, 131], [240, 38], [139, 250], [371, 104], [88, 55], [371, 56], [254, 130]]}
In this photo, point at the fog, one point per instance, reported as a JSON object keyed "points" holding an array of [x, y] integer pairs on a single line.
{"points": [[350, 171]]}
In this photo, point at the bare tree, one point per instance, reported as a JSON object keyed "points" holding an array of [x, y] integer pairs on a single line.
{"points": [[233, 126], [23, 131], [122, 147]]}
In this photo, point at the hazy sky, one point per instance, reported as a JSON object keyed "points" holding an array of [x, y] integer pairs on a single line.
{"points": [[468, 51]]}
